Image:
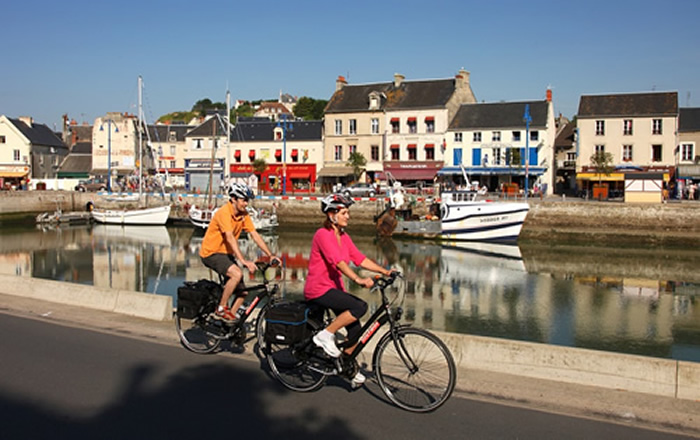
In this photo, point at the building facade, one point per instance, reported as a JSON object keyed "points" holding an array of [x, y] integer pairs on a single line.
{"points": [[398, 127], [494, 144]]}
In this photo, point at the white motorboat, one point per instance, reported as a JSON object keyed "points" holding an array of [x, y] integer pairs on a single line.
{"points": [[464, 217]]}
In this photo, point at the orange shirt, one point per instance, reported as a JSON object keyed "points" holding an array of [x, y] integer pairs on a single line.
{"points": [[214, 241]]}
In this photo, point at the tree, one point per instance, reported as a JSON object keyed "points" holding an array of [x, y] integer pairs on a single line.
{"points": [[357, 161], [513, 158], [309, 108], [602, 162], [259, 166]]}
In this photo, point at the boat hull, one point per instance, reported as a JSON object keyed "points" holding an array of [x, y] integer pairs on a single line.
{"points": [[148, 216], [483, 221]]}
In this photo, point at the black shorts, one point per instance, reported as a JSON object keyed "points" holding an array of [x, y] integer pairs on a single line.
{"points": [[219, 263], [340, 301]]}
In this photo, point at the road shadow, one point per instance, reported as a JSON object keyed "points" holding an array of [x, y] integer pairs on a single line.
{"points": [[212, 400]]}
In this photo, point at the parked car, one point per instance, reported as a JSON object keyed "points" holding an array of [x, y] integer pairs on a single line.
{"points": [[360, 190], [94, 184]]}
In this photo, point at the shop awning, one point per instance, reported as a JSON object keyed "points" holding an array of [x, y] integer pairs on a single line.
{"points": [[612, 177], [278, 153], [251, 153], [413, 173], [237, 153], [335, 172], [394, 146], [8, 174], [411, 146], [295, 152], [394, 119], [493, 171], [429, 118], [429, 145], [411, 119]]}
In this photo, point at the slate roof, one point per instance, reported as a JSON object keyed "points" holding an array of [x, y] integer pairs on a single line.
{"points": [[689, 119], [264, 131], [565, 137], [161, 133], [82, 148], [499, 115], [38, 134], [631, 104], [76, 163], [409, 95], [205, 129]]}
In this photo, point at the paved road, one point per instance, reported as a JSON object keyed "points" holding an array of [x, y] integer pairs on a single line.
{"points": [[68, 382]]}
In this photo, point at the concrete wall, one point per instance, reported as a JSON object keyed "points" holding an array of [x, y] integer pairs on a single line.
{"points": [[663, 377]]}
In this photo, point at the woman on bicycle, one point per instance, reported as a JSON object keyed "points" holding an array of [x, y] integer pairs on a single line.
{"points": [[332, 251]]}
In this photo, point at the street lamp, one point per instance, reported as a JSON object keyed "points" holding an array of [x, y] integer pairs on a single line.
{"points": [[285, 125], [527, 119], [109, 150]]}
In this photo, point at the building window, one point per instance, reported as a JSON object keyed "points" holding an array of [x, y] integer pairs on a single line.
{"points": [[656, 155], [599, 128], [338, 127], [278, 155], [627, 153], [338, 153], [656, 126], [571, 157], [2, 139], [534, 136], [599, 149], [496, 136], [352, 149], [375, 153], [198, 144], [172, 137], [160, 164], [497, 155], [412, 152], [516, 136], [412, 125], [686, 152], [395, 152], [172, 164], [251, 155], [173, 150], [352, 128], [375, 126], [627, 127], [394, 125], [458, 137], [15, 154], [429, 152], [476, 137], [429, 125]]}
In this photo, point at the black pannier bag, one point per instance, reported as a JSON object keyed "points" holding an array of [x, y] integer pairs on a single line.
{"points": [[286, 323], [192, 296]]}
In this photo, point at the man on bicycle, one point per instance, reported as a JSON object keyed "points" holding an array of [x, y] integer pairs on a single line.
{"points": [[220, 251]]}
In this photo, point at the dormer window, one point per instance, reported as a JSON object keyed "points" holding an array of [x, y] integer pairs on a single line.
{"points": [[374, 100], [278, 133]]}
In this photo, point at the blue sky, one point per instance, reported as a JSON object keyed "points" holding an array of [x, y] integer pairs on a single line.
{"points": [[83, 57]]}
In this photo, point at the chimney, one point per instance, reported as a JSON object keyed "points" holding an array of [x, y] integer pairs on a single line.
{"points": [[340, 83], [27, 120], [398, 79], [549, 95], [462, 78]]}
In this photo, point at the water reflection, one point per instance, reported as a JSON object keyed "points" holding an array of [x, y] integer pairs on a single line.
{"points": [[624, 300]]}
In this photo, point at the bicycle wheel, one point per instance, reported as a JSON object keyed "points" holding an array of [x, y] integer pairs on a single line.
{"points": [[416, 371], [198, 335], [260, 328], [291, 367]]}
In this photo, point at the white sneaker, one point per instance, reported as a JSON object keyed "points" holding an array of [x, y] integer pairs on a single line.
{"points": [[327, 344], [358, 380]]}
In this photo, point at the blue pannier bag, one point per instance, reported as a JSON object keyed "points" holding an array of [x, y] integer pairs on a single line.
{"points": [[287, 323]]}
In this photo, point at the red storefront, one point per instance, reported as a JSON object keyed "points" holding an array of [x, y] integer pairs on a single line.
{"points": [[301, 178]]}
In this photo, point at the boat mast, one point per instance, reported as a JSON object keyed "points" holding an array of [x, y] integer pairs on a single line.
{"points": [[227, 171], [140, 118]]}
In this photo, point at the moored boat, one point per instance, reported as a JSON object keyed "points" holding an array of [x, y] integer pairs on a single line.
{"points": [[157, 215]]}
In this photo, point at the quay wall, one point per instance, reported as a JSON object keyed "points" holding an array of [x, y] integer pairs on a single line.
{"points": [[572, 221], [661, 377]]}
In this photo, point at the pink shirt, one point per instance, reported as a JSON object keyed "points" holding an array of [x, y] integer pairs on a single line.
{"points": [[326, 253]]}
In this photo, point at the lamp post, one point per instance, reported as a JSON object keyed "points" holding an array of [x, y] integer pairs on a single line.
{"points": [[527, 119], [284, 126], [109, 150]]}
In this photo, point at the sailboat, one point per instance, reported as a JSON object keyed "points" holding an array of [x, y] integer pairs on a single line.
{"points": [[157, 215]]}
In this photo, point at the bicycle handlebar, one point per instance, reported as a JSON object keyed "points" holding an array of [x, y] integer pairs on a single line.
{"points": [[382, 282]]}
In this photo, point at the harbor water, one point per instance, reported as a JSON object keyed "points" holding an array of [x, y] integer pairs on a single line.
{"points": [[626, 300]]}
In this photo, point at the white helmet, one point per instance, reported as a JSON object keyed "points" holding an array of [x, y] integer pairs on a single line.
{"points": [[334, 202], [239, 191]]}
